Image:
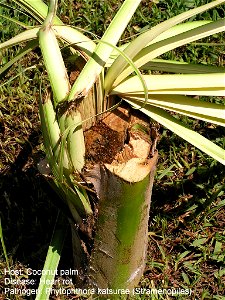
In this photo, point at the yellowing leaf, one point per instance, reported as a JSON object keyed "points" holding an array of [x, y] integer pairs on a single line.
{"points": [[201, 110], [183, 131], [186, 84]]}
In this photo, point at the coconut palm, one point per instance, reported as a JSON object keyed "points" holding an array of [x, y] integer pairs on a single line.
{"points": [[99, 138]]}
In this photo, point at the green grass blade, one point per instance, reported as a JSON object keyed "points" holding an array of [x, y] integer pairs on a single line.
{"points": [[3, 246], [154, 50], [144, 39], [52, 258], [213, 198], [27, 49], [17, 75], [208, 202], [183, 131], [102, 52], [14, 21]]}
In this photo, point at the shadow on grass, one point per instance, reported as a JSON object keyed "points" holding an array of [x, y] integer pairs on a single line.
{"points": [[29, 208]]}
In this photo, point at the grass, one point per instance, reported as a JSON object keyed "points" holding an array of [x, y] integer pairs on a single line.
{"points": [[186, 228]]}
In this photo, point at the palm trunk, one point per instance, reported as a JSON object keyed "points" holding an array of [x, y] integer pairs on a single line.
{"points": [[118, 258], [123, 188]]}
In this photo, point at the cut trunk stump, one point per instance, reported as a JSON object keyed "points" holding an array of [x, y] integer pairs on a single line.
{"points": [[120, 163]]}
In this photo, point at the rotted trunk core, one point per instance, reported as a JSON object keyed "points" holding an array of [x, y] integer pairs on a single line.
{"points": [[120, 163], [112, 139]]}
